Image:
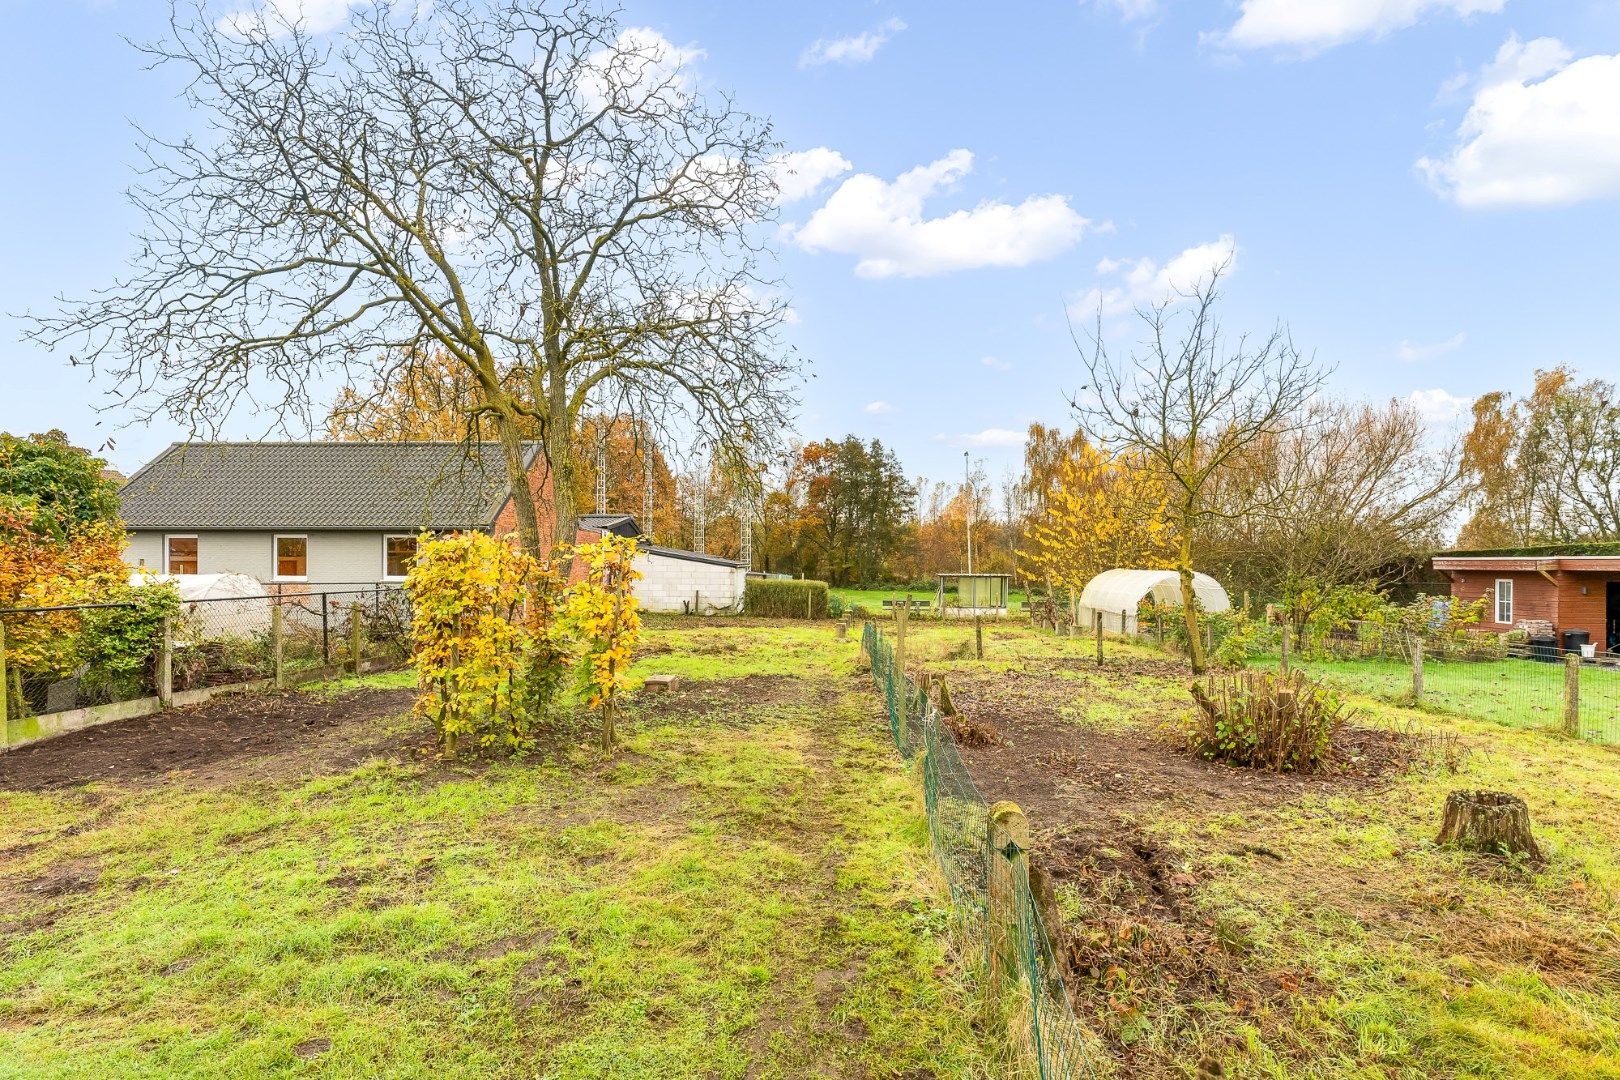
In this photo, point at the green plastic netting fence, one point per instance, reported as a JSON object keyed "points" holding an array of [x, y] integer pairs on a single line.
{"points": [[1058, 1045]]}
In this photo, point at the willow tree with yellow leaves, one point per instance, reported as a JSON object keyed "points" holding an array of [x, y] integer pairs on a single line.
{"points": [[1100, 511], [603, 613]]}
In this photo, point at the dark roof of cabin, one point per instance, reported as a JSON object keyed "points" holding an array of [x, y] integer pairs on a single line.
{"points": [[319, 485], [1598, 549], [617, 524]]}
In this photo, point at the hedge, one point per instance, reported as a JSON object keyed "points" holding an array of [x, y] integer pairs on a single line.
{"points": [[780, 599]]}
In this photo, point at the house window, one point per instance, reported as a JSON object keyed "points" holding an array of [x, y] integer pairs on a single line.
{"points": [[180, 556], [1504, 600], [398, 551], [292, 558]]}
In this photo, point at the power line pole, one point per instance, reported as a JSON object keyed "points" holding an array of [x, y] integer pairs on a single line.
{"points": [[967, 495]]}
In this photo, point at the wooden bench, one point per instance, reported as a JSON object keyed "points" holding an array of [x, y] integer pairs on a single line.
{"points": [[921, 605]]}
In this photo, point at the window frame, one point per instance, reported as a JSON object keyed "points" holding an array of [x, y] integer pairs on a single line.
{"points": [[275, 556], [168, 556], [1497, 598], [413, 537]]}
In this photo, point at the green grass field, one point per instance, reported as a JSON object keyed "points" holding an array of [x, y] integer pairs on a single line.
{"points": [[743, 891], [1519, 693], [872, 599]]}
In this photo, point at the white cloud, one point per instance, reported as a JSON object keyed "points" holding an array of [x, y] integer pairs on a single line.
{"points": [[800, 173], [996, 364], [279, 17], [1143, 283], [1413, 354], [1438, 407], [640, 58], [990, 438], [881, 223], [1313, 25], [876, 407], [1542, 130], [850, 50]]}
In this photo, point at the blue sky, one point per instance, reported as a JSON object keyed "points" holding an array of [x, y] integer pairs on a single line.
{"points": [[1426, 191]]}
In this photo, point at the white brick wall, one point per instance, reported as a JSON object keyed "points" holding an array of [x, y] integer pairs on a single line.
{"points": [[666, 584]]}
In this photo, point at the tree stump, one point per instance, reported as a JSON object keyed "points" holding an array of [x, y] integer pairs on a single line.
{"points": [[1490, 821]]}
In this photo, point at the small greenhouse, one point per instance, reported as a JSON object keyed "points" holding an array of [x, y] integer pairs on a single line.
{"points": [[973, 594], [1116, 594]]}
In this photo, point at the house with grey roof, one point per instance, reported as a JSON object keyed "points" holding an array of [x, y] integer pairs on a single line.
{"points": [[350, 513]]}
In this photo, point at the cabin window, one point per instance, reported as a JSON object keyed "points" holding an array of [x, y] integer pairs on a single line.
{"points": [[292, 558], [1504, 600], [180, 556], [398, 551]]}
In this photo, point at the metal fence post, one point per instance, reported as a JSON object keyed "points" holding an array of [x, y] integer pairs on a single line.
{"points": [[277, 654], [1417, 669], [1572, 694], [5, 691], [357, 630], [326, 630], [1008, 833], [165, 671]]}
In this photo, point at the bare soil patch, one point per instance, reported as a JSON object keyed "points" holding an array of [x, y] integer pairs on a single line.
{"points": [[222, 735], [1139, 945]]}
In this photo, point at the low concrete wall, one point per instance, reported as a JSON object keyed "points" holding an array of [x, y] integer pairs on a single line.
{"points": [[25, 730]]}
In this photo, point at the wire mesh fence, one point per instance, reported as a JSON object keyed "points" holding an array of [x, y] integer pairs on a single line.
{"points": [[1500, 678], [987, 874], [55, 659]]}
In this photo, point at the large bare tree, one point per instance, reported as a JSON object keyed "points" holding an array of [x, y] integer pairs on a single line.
{"points": [[522, 186], [1187, 401], [1352, 495]]}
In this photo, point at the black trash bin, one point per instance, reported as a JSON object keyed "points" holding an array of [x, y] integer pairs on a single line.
{"points": [[1544, 647], [1574, 639]]}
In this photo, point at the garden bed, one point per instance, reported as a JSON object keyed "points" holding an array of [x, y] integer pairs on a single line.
{"points": [[1258, 924]]}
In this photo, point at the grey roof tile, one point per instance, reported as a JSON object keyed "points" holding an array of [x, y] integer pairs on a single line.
{"points": [[319, 485]]}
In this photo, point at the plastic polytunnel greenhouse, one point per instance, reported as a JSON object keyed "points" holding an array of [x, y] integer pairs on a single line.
{"points": [[1116, 593]]}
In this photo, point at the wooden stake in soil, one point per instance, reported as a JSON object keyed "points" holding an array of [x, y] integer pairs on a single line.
{"points": [[978, 638], [1283, 665], [1096, 619], [1417, 669], [357, 634], [165, 672], [278, 677], [1009, 839], [902, 616], [1490, 821], [1572, 694]]}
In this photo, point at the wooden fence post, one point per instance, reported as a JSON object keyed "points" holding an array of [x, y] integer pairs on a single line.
{"points": [[1096, 619], [1009, 839], [1572, 694], [357, 636], [278, 657], [5, 691], [1417, 669], [165, 671], [978, 637], [902, 617], [1285, 635], [1122, 612]]}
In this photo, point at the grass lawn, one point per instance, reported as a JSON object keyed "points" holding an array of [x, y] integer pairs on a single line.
{"points": [[872, 599], [1520, 693], [1276, 926], [744, 891]]}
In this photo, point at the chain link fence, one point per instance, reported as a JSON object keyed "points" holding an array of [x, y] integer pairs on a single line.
{"points": [[1486, 676], [985, 862], [78, 656]]}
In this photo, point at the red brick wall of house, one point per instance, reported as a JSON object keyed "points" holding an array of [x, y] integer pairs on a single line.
{"points": [[540, 485], [1534, 597]]}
